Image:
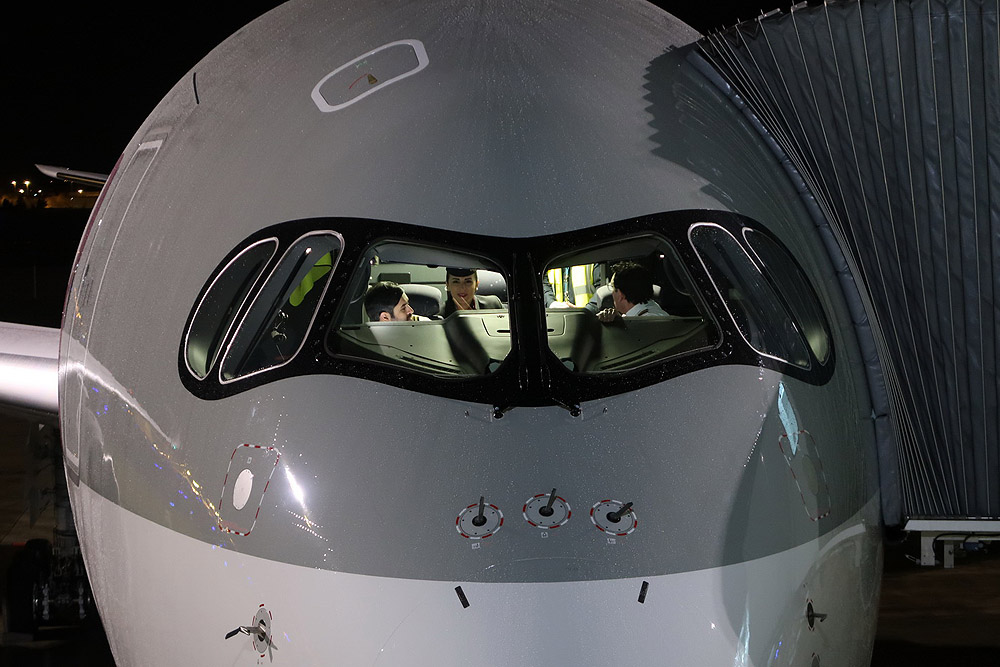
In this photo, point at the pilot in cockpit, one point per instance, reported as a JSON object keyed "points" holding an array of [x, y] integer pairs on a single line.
{"points": [[387, 302], [461, 285], [632, 292]]}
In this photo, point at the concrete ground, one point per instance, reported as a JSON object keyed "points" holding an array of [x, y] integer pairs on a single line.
{"points": [[928, 616], [934, 616]]}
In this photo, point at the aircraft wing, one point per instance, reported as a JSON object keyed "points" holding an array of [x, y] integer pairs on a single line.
{"points": [[29, 371], [91, 178]]}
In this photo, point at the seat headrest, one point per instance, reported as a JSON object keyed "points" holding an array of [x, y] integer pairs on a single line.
{"points": [[492, 283], [425, 300]]}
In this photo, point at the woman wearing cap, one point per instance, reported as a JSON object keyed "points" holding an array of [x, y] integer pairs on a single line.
{"points": [[462, 285]]}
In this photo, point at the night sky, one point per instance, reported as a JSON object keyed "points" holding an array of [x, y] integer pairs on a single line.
{"points": [[77, 80]]}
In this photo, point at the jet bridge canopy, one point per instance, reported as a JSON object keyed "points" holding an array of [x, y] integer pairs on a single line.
{"points": [[886, 112]]}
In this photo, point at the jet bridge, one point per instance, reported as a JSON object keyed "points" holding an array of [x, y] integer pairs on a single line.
{"points": [[886, 115]]}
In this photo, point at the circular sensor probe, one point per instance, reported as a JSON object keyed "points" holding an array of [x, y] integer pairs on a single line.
{"points": [[614, 517], [546, 511], [479, 520]]}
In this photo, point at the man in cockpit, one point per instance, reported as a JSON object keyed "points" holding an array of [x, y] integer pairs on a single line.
{"points": [[632, 293], [387, 302]]}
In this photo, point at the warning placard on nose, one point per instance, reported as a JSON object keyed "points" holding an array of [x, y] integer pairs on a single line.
{"points": [[247, 479], [802, 456]]}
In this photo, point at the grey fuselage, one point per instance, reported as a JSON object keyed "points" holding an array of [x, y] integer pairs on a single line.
{"points": [[528, 119]]}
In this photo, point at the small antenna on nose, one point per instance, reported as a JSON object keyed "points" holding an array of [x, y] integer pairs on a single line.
{"points": [[480, 519], [547, 510]]}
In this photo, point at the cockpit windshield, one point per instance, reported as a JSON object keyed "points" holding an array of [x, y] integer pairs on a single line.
{"points": [[556, 319], [426, 309], [621, 304]]}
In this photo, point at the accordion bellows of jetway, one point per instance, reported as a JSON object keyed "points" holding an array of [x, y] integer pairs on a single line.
{"points": [[884, 111]]}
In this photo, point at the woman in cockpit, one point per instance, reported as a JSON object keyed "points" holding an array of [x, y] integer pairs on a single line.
{"points": [[462, 285]]}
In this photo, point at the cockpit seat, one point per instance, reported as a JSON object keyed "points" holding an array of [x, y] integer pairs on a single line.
{"points": [[491, 283], [603, 299], [425, 300]]}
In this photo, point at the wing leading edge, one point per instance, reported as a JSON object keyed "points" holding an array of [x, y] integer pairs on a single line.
{"points": [[91, 178], [29, 370]]}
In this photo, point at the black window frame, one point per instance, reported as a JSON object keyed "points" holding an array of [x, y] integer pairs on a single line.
{"points": [[779, 341], [531, 375], [227, 322], [252, 342]]}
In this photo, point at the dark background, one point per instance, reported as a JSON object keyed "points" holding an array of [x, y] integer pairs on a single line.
{"points": [[77, 79]]}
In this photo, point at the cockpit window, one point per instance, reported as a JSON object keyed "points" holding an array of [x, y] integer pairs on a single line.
{"points": [[621, 305], [559, 319], [220, 305], [427, 309], [758, 311], [275, 326], [795, 287]]}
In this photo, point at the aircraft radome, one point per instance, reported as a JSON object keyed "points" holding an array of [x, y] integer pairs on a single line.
{"points": [[262, 472]]}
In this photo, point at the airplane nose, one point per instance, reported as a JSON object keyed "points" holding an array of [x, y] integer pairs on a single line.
{"points": [[580, 623]]}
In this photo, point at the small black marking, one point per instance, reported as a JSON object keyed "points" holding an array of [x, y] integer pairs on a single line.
{"points": [[642, 592], [461, 597], [194, 84]]}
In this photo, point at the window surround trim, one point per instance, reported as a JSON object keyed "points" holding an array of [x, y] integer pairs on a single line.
{"points": [[254, 288], [235, 330], [766, 277], [781, 293]]}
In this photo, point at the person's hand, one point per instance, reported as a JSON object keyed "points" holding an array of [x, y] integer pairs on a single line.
{"points": [[608, 315], [460, 303]]}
